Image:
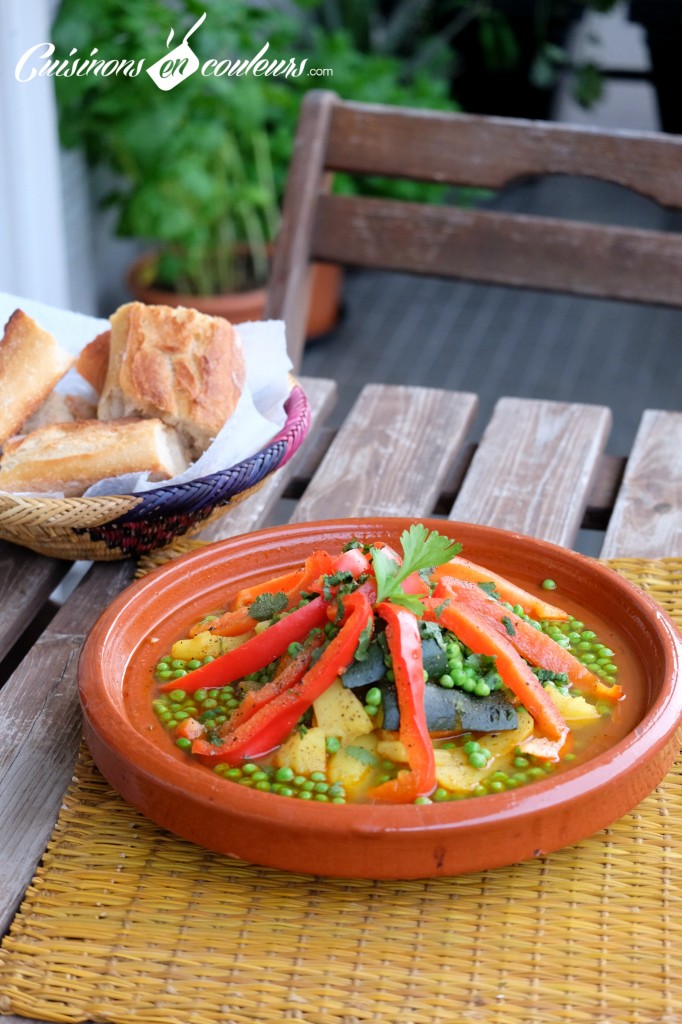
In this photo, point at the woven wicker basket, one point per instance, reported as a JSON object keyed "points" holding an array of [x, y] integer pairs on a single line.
{"points": [[124, 525]]}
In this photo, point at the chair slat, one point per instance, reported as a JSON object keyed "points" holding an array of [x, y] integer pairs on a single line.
{"points": [[382, 461], [463, 149], [554, 448], [647, 518], [501, 248]]}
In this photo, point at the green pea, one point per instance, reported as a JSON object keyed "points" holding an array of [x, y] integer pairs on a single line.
{"points": [[318, 777], [482, 689], [422, 800], [548, 585], [164, 674], [477, 759], [304, 794], [183, 743], [249, 768], [178, 663], [374, 696], [332, 744], [285, 774], [177, 696], [194, 663], [447, 681]]}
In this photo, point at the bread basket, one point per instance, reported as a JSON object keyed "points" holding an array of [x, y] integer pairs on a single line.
{"points": [[119, 526]]}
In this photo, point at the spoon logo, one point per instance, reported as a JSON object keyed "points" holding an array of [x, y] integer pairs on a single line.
{"points": [[177, 65]]}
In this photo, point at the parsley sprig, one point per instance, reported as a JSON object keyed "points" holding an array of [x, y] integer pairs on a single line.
{"points": [[422, 549]]}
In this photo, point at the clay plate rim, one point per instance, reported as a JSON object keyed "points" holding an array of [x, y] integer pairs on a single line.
{"points": [[637, 762]]}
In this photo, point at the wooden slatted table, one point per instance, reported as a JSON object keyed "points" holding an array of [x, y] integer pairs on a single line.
{"points": [[539, 469]]}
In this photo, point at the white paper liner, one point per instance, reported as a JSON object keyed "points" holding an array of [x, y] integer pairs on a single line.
{"points": [[257, 418]]}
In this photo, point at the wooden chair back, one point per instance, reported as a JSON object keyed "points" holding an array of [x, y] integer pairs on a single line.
{"points": [[483, 245]]}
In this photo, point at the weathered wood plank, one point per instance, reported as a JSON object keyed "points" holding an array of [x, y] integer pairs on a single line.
{"points": [[534, 468], [253, 512], [647, 517], [464, 149], [40, 722], [28, 579], [289, 282], [387, 459], [500, 248]]}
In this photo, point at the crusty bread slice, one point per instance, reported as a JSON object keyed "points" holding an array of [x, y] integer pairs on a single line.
{"points": [[177, 364], [93, 360], [31, 363], [70, 457], [59, 408]]}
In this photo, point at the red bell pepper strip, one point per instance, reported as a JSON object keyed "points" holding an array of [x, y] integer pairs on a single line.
{"points": [[255, 653], [404, 644], [290, 671], [273, 722], [474, 630], [533, 645], [462, 569]]}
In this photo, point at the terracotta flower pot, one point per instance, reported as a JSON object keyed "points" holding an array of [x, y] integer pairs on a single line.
{"points": [[325, 297]]}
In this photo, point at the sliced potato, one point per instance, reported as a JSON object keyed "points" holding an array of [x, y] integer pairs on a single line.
{"points": [[304, 753], [356, 764], [453, 771], [339, 712], [574, 709], [392, 750], [204, 644]]}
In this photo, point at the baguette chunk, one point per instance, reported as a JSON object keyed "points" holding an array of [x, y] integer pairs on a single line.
{"points": [[176, 364], [31, 363], [69, 457]]}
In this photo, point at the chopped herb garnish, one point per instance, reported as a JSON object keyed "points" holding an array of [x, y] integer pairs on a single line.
{"points": [[363, 755], [431, 630], [338, 579], [363, 642], [266, 605], [441, 607], [508, 625], [422, 549], [490, 589]]}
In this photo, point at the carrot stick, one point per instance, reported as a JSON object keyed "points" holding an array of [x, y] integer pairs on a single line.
{"points": [[474, 630], [536, 647], [462, 569]]}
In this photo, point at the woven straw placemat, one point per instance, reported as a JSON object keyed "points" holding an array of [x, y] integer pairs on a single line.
{"points": [[125, 923]]}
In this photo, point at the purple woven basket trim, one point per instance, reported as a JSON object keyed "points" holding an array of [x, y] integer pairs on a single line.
{"points": [[218, 488]]}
